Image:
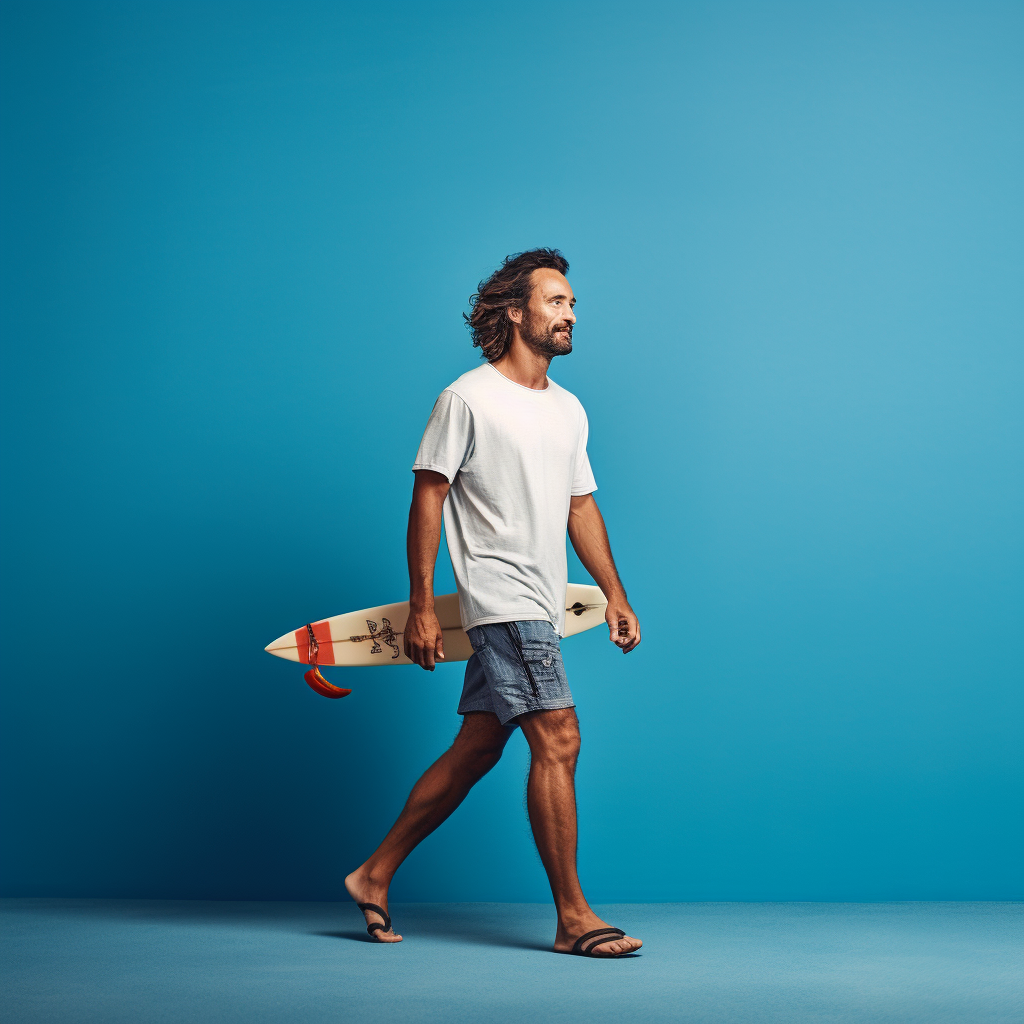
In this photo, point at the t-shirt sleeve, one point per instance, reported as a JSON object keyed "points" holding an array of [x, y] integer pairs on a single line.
{"points": [[448, 440], [583, 481]]}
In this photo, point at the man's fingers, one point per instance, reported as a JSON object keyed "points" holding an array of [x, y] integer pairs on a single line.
{"points": [[425, 654], [626, 635], [621, 632], [634, 639], [624, 630], [415, 652], [422, 641]]}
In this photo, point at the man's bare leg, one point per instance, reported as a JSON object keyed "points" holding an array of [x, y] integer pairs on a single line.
{"points": [[442, 787], [554, 739]]}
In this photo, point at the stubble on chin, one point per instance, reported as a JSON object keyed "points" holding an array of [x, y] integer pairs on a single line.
{"points": [[551, 347], [546, 343]]}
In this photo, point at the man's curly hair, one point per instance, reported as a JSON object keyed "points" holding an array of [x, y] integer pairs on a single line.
{"points": [[507, 288]]}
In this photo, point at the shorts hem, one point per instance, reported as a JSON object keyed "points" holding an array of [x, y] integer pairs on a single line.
{"points": [[477, 706], [547, 705]]}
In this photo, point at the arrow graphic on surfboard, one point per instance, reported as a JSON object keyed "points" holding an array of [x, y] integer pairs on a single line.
{"points": [[373, 636]]}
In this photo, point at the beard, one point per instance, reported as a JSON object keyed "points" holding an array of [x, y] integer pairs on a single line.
{"points": [[543, 338]]}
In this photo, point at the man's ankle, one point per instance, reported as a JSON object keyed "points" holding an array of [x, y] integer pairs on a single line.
{"points": [[573, 914], [367, 875], [376, 877]]}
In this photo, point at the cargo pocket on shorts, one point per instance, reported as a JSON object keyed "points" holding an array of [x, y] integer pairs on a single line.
{"points": [[544, 666]]}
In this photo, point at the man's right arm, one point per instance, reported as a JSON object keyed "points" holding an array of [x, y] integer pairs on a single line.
{"points": [[423, 639]]}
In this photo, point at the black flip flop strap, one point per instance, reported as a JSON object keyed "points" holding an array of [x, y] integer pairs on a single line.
{"points": [[610, 935], [371, 928]]}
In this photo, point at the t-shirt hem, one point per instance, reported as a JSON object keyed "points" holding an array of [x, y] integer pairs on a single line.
{"points": [[579, 494], [434, 468], [487, 620]]}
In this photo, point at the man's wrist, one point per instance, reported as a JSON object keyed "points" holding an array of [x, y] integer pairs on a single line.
{"points": [[420, 603]]}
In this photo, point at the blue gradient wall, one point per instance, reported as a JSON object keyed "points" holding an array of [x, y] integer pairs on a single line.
{"points": [[237, 243]]}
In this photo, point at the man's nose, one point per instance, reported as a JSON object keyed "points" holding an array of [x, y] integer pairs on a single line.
{"points": [[570, 316]]}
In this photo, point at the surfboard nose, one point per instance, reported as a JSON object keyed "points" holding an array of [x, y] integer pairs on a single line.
{"points": [[283, 647]]}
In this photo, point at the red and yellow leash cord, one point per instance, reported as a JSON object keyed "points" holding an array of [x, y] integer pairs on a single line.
{"points": [[314, 676]]}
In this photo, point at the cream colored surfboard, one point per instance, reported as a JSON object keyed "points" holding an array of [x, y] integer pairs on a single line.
{"points": [[373, 636]]}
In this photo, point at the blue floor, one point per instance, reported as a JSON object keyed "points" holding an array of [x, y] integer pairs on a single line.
{"points": [[150, 961]]}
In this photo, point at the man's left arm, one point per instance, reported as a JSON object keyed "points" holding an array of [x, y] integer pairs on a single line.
{"points": [[590, 540]]}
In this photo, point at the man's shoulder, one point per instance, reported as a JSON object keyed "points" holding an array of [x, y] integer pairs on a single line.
{"points": [[473, 384]]}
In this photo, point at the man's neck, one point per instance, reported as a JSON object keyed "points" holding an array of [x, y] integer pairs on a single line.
{"points": [[524, 366]]}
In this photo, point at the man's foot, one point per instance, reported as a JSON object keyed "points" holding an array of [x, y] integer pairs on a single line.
{"points": [[569, 930], [363, 890]]}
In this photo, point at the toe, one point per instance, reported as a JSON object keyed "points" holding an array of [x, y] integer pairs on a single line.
{"points": [[372, 918], [616, 947]]}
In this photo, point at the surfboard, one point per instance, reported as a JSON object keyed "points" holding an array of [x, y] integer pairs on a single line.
{"points": [[373, 636]]}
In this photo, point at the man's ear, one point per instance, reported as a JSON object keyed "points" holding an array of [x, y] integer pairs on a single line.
{"points": [[515, 314]]}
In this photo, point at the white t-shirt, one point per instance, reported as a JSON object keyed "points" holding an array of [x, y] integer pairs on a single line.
{"points": [[513, 456]]}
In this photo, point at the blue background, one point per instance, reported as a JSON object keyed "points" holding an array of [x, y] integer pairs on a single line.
{"points": [[237, 242]]}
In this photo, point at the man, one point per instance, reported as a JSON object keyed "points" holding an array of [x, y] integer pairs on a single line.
{"points": [[504, 456]]}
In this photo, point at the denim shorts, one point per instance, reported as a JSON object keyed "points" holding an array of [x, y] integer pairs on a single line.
{"points": [[516, 667]]}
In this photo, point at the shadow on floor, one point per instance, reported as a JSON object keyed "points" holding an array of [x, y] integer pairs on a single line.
{"points": [[438, 931], [353, 936], [477, 937]]}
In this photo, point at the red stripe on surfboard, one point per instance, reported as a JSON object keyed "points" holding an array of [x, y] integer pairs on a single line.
{"points": [[322, 632]]}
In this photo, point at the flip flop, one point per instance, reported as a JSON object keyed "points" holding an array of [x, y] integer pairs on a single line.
{"points": [[609, 935], [371, 928]]}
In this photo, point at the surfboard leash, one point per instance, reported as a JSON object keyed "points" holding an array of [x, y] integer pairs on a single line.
{"points": [[314, 676]]}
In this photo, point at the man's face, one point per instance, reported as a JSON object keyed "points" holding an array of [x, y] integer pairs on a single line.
{"points": [[548, 319]]}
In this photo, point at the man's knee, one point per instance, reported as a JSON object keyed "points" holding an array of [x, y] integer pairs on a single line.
{"points": [[486, 755], [564, 747], [481, 743], [554, 736]]}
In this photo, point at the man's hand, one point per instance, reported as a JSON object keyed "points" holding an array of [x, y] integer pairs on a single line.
{"points": [[623, 627], [423, 639]]}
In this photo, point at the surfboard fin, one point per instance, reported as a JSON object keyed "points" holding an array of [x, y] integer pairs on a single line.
{"points": [[322, 686]]}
